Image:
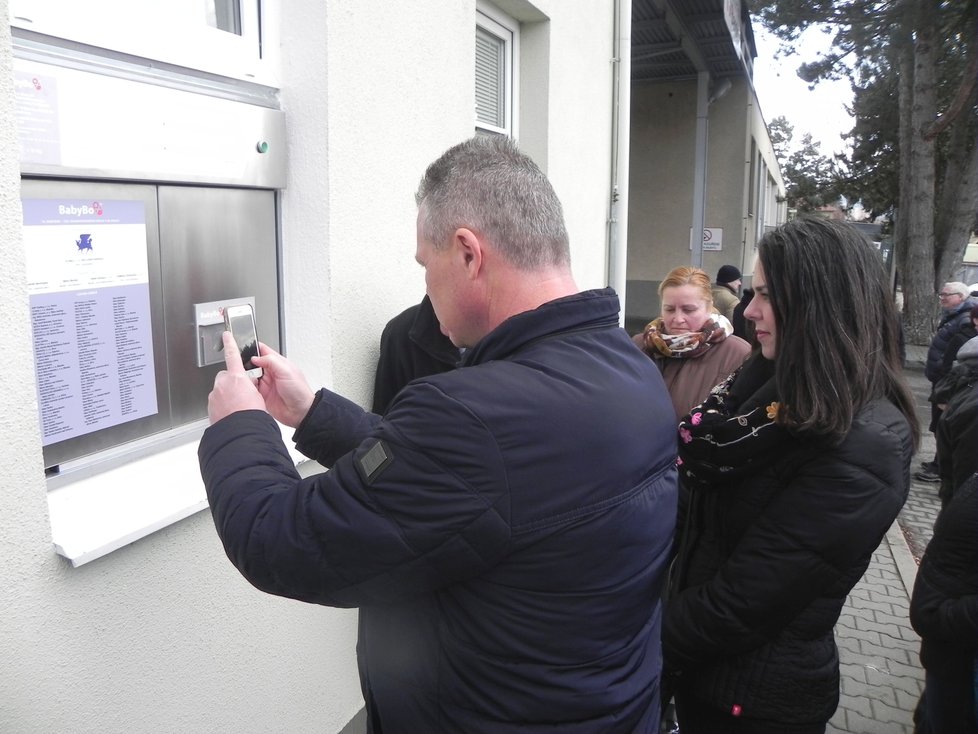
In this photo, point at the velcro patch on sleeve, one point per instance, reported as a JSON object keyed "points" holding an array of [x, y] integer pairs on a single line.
{"points": [[373, 461]]}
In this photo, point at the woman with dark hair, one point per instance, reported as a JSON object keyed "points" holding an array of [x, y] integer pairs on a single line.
{"points": [[691, 343], [793, 469]]}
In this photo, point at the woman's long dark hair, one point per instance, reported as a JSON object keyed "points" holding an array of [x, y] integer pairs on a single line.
{"points": [[837, 327]]}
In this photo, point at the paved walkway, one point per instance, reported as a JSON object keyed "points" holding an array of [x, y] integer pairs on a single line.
{"points": [[881, 673]]}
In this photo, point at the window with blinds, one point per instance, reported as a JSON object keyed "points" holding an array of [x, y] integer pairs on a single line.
{"points": [[490, 69], [495, 60]]}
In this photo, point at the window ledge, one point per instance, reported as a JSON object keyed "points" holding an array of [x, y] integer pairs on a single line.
{"points": [[103, 512]]}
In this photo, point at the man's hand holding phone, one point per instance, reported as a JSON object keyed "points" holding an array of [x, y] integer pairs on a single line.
{"points": [[282, 390], [287, 395], [233, 389]]}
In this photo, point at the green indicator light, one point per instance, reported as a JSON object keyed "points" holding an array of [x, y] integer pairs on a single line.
{"points": [[262, 147]]}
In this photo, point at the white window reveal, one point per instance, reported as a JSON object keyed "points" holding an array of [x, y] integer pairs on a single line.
{"points": [[496, 71]]}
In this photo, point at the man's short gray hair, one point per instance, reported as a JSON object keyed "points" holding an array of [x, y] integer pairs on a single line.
{"points": [[487, 185], [956, 286]]}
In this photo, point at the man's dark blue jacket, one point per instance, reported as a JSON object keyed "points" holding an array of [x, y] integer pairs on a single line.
{"points": [[950, 323], [504, 529]]}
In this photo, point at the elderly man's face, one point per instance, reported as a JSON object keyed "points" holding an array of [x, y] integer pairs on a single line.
{"points": [[949, 299]]}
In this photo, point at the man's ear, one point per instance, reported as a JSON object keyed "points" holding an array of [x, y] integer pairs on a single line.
{"points": [[469, 247]]}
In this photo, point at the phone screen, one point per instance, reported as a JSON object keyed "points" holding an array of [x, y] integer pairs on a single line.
{"points": [[241, 324]]}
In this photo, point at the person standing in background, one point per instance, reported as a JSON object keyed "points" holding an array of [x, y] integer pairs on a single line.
{"points": [[957, 429], [743, 327], [726, 291], [691, 344], [955, 305], [965, 333], [944, 612], [412, 345]]}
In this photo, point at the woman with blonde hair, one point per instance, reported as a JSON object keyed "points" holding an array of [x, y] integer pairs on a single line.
{"points": [[690, 342]]}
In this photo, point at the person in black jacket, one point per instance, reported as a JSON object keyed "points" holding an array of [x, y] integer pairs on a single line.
{"points": [[956, 304], [965, 333], [506, 526], [792, 471], [944, 612], [412, 345], [957, 429], [741, 326]]}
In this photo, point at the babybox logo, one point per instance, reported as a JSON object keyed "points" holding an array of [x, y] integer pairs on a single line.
{"points": [[80, 210]]}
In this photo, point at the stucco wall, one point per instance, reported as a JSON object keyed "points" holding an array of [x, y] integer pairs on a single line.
{"points": [[663, 131], [389, 118], [163, 634], [663, 149]]}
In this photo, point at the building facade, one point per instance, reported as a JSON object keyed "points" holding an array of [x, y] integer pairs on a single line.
{"points": [[701, 156], [266, 152]]}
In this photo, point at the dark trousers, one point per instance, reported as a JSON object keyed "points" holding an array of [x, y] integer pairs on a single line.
{"points": [[694, 718]]}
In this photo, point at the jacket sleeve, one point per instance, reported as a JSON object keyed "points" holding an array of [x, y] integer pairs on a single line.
{"points": [[937, 617], [944, 605], [934, 367], [333, 427], [426, 509], [801, 554], [957, 440], [951, 351]]}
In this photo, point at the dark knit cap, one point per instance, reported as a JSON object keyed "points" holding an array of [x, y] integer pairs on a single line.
{"points": [[727, 274]]}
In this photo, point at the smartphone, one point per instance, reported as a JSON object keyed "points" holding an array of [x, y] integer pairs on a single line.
{"points": [[240, 321]]}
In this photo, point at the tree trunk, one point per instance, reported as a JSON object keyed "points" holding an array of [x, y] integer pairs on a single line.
{"points": [[955, 216], [920, 302], [902, 41]]}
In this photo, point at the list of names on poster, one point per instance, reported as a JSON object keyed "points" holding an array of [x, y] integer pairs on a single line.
{"points": [[130, 352], [89, 290], [51, 351]]}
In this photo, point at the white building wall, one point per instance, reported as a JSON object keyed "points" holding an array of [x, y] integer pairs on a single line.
{"points": [[163, 635], [774, 188], [663, 150]]}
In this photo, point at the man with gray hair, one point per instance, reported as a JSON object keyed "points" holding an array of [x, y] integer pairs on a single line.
{"points": [[955, 303], [505, 527]]}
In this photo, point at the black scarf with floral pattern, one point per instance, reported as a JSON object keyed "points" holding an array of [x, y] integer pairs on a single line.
{"points": [[733, 432]]}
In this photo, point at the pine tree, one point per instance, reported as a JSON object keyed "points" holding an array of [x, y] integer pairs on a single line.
{"points": [[912, 64]]}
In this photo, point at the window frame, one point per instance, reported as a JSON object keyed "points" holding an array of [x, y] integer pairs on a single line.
{"points": [[174, 34], [493, 21]]}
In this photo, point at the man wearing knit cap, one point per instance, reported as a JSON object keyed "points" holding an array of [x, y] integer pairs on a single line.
{"points": [[725, 297]]}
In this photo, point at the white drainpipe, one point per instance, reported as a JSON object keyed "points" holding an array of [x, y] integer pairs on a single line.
{"points": [[621, 120]]}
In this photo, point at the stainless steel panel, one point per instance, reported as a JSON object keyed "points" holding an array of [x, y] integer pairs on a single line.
{"points": [[215, 244]]}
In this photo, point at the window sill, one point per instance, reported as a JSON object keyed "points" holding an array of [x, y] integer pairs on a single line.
{"points": [[105, 511]]}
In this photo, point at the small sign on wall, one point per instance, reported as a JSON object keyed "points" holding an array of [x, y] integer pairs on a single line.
{"points": [[712, 239]]}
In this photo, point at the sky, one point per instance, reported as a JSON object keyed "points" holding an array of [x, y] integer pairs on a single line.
{"points": [[821, 112]]}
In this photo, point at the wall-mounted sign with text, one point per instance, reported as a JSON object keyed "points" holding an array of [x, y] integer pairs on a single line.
{"points": [[88, 283], [712, 239]]}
